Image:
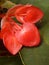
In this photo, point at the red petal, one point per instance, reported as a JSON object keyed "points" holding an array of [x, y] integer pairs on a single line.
{"points": [[11, 43], [9, 23], [4, 22], [8, 36], [29, 35], [28, 14], [12, 10]]}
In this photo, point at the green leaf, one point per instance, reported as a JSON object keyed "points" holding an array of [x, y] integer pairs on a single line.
{"points": [[36, 55], [10, 60], [45, 27], [45, 33]]}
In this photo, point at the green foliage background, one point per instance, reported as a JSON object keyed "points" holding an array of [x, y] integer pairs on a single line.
{"points": [[35, 55]]}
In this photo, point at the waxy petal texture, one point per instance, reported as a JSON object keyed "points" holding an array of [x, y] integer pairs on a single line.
{"points": [[16, 35], [28, 13], [28, 35], [11, 11], [11, 43], [9, 39]]}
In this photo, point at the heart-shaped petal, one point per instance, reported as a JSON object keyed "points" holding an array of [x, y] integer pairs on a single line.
{"points": [[11, 43], [28, 14], [9, 39], [28, 35]]}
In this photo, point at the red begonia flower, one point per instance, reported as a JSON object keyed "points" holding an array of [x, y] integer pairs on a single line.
{"points": [[28, 13], [16, 35]]}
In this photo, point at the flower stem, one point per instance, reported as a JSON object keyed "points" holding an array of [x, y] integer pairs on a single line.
{"points": [[21, 58]]}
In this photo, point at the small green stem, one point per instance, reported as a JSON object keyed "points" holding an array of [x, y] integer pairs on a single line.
{"points": [[21, 58]]}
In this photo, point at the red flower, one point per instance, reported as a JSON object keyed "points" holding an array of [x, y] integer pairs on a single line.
{"points": [[16, 35]]}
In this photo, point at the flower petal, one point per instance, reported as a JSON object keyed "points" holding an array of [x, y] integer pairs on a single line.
{"points": [[11, 43], [12, 10], [28, 14], [28, 35], [8, 22], [9, 39]]}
